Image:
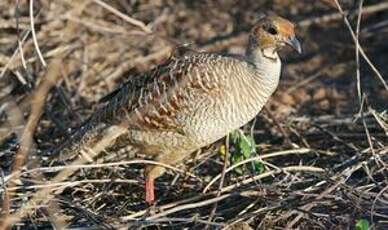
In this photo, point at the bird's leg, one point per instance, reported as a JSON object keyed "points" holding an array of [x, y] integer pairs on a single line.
{"points": [[150, 191], [154, 171], [151, 173]]}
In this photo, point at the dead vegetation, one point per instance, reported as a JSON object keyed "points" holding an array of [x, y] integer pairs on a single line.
{"points": [[322, 141]]}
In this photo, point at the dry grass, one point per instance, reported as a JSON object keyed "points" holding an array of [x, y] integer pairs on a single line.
{"points": [[323, 139]]}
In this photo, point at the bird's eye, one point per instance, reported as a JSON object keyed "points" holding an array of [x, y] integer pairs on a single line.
{"points": [[272, 30]]}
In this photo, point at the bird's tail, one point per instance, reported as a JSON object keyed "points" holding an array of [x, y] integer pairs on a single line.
{"points": [[78, 140]]}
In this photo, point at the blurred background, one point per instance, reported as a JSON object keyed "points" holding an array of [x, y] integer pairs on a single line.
{"points": [[326, 126]]}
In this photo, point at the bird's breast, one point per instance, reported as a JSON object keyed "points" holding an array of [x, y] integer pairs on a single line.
{"points": [[214, 116]]}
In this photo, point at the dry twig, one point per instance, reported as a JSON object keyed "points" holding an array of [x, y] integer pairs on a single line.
{"points": [[26, 139], [34, 34]]}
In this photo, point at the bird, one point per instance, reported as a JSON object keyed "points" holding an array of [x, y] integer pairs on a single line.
{"points": [[189, 101]]}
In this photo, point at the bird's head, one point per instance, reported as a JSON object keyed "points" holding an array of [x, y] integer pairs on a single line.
{"points": [[270, 34]]}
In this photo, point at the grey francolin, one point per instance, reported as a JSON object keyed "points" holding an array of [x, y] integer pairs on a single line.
{"points": [[189, 102]]}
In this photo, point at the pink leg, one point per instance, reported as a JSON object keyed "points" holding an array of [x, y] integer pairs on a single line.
{"points": [[149, 191], [152, 172]]}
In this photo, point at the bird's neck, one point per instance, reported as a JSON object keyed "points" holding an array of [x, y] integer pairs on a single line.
{"points": [[267, 63], [265, 79], [250, 90], [261, 56]]}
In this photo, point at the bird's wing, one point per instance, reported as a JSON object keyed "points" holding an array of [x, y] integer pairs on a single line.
{"points": [[152, 101]]}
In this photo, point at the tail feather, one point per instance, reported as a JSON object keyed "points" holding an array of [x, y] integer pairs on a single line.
{"points": [[88, 132]]}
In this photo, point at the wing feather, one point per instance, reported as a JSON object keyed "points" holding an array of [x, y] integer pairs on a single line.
{"points": [[153, 100]]}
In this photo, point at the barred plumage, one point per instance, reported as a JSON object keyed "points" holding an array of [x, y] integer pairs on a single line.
{"points": [[193, 100]]}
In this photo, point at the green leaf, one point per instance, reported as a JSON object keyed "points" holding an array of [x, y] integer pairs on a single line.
{"points": [[362, 224], [234, 136], [247, 145], [235, 159], [244, 148], [258, 167]]}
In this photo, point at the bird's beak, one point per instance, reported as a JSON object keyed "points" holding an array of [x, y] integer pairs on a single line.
{"points": [[294, 43]]}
